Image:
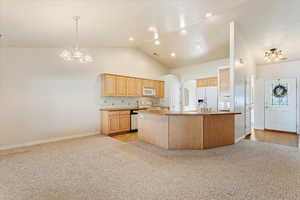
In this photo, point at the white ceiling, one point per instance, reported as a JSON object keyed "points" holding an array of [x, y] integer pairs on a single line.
{"points": [[109, 23]]}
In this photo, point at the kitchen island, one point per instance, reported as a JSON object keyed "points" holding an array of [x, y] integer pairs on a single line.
{"points": [[186, 130]]}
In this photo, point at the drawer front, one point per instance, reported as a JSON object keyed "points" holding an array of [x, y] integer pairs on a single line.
{"points": [[126, 112]]}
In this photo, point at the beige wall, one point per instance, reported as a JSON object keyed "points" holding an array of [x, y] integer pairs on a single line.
{"points": [[43, 97], [202, 70], [243, 66]]}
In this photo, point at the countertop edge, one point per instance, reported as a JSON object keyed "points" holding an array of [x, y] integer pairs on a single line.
{"points": [[188, 114], [120, 109]]}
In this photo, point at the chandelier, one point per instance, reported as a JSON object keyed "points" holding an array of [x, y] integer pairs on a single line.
{"points": [[76, 53], [274, 55]]}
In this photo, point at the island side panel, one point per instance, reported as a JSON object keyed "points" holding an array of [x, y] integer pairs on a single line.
{"points": [[218, 130], [185, 132], [153, 129]]}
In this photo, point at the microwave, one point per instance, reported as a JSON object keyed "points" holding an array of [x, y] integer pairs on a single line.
{"points": [[149, 92]]}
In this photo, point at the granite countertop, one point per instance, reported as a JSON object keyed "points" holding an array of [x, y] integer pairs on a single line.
{"points": [[161, 112], [122, 108]]}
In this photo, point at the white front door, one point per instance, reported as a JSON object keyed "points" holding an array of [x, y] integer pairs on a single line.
{"points": [[281, 105]]}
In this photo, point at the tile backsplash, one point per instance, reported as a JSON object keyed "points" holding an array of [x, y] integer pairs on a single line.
{"points": [[125, 101]]}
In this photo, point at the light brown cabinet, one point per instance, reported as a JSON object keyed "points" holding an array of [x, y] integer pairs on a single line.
{"points": [[123, 86], [160, 89], [108, 85], [115, 122], [148, 83], [134, 87], [207, 82], [224, 76], [124, 122], [212, 82], [202, 83]]}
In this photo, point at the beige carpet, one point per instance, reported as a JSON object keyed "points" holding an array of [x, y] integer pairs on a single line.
{"points": [[102, 168]]}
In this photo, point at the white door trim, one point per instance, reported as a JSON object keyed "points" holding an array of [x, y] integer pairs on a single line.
{"points": [[297, 98]]}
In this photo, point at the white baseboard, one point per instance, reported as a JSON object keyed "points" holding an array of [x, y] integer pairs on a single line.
{"points": [[9, 147], [239, 139]]}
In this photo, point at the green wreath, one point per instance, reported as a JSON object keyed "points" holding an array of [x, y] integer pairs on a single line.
{"points": [[280, 91]]}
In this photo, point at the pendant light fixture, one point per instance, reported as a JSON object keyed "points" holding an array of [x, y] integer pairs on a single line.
{"points": [[75, 53]]}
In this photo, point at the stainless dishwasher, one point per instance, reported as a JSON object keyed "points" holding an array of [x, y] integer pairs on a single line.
{"points": [[133, 121]]}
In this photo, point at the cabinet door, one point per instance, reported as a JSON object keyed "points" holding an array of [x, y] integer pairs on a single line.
{"points": [[108, 85], [212, 82], [202, 83], [121, 83], [157, 89], [114, 124], [148, 83], [124, 122], [139, 87], [162, 89], [134, 88], [224, 76]]}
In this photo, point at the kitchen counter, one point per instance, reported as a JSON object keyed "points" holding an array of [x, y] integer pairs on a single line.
{"points": [[187, 130], [162, 112], [122, 108]]}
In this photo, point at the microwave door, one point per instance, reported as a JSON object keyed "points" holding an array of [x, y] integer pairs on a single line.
{"points": [[148, 91]]}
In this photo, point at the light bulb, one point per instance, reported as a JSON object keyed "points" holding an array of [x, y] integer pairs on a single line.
{"points": [[151, 28], [157, 42], [68, 58], [77, 54], [208, 15], [183, 32], [88, 58], [65, 54], [173, 54]]}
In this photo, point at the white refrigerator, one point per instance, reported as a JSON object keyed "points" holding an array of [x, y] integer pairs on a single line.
{"points": [[209, 95]]}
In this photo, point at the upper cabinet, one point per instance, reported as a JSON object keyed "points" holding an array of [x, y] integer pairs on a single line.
{"points": [[160, 89], [123, 86], [207, 82], [224, 77], [149, 83], [109, 85], [134, 87]]}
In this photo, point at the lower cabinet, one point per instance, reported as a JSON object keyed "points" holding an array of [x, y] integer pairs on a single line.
{"points": [[124, 122], [114, 122]]}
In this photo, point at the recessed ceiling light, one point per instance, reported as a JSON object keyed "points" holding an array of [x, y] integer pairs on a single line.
{"points": [[157, 42], [131, 39], [208, 15], [151, 28], [183, 32], [173, 54]]}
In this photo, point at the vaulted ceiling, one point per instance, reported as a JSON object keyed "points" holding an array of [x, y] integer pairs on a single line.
{"points": [[110, 23]]}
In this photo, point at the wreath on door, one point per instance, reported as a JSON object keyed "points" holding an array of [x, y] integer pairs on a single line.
{"points": [[280, 91]]}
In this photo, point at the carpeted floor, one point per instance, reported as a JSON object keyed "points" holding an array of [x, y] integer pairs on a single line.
{"points": [[102, 168]]}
